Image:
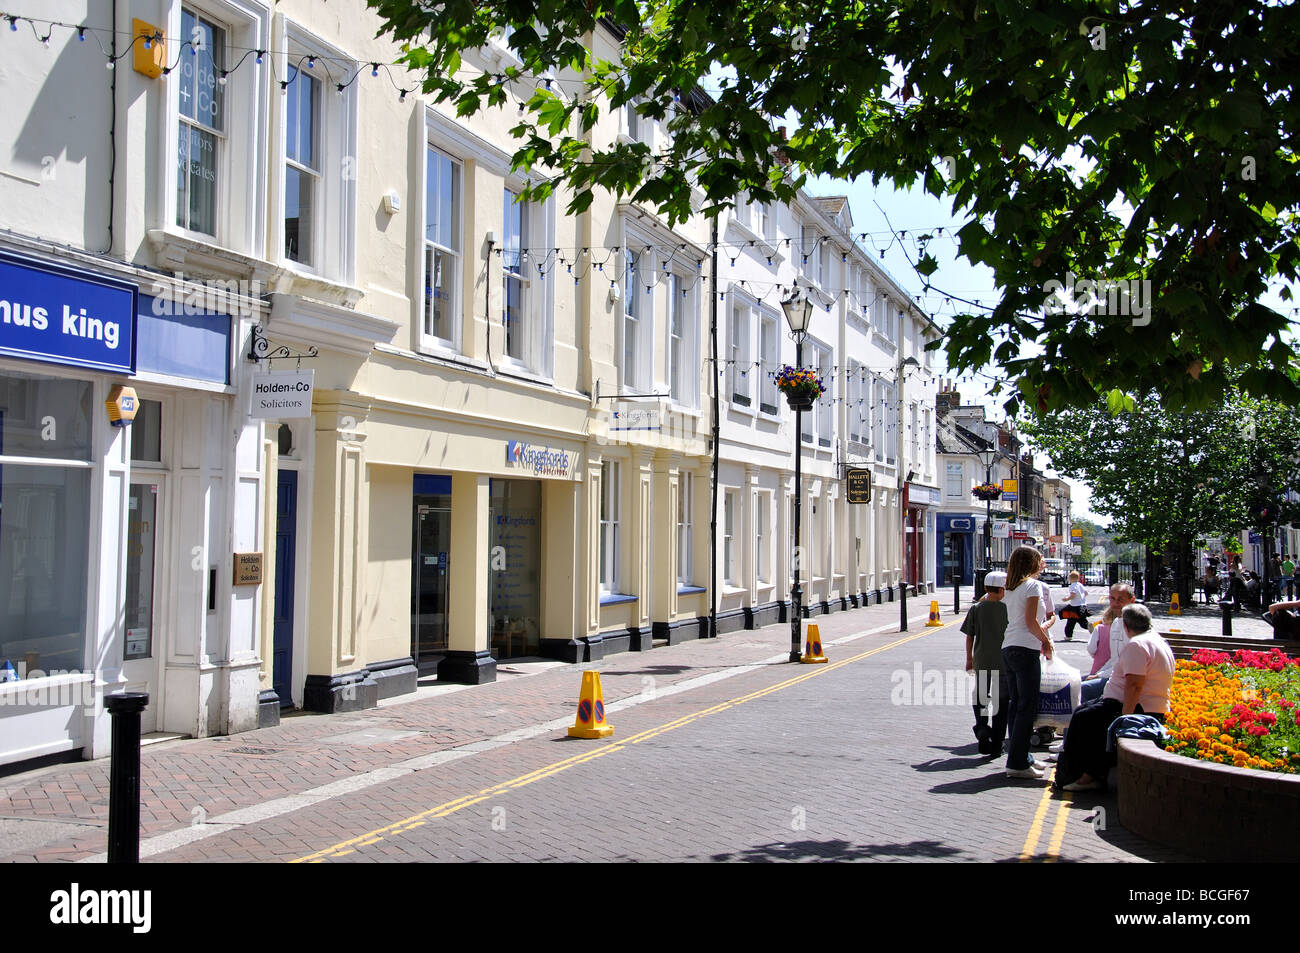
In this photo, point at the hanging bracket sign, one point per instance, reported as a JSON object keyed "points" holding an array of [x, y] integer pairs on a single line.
{"points": [[858, 485], [282, 394]]}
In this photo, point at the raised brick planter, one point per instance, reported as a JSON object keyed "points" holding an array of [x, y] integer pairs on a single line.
{"points": [[1215, 811]]}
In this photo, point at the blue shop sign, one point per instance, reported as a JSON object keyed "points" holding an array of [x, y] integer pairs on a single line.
{"points": [[52, 313], [951, 523]]}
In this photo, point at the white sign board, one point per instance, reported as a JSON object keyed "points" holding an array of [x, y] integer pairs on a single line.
{"points": [[1001, 530], [282, 394]]}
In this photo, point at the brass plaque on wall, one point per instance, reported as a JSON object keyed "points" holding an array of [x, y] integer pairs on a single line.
{"points": [[248, 569], [858, 485]]}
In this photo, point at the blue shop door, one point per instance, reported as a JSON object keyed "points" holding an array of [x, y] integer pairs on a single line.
{"points": [[286, 534], [954, 558]]}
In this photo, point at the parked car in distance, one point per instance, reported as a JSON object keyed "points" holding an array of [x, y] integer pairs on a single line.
{"points": [[1094, 577], [1054, 574]]}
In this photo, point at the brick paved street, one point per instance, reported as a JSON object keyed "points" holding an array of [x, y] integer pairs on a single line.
{"points": [[721, 751]]}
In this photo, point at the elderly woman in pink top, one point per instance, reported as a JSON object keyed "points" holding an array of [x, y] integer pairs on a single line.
{"points": [[1108, 637], [1139, 683]]}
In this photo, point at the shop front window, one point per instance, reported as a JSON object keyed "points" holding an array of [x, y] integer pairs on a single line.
{"points": [[44, 523], [514, 554]]}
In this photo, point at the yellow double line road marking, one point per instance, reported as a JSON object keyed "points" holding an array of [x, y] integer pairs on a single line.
{"points": [[1036, 828], [451, 807]]}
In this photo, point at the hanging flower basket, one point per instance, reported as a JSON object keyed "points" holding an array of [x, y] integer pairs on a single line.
{"points": [[801, 386], [987, 492]]}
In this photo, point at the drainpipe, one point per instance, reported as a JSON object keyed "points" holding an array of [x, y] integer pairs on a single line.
{"points": [[713, 488]]}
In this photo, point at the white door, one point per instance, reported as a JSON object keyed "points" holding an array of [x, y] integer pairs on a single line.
{"points": [[145, 642]]}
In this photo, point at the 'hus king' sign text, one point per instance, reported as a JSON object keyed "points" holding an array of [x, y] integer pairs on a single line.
{"points": [[50, 313]]}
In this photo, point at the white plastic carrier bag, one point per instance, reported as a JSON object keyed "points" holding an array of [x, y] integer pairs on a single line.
{"points": [[1058, 692]]}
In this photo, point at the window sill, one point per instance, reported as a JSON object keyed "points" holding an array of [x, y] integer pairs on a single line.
{"points": [[729, 590], [180, 250], [519, 372], [616, 599], [689, 590]]}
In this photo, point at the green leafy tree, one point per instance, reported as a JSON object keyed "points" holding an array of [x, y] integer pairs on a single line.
{"points": [[1149, 142], [1166, 478]]}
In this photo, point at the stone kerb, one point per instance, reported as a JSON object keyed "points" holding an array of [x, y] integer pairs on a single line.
{"points": [[1215, 811]]}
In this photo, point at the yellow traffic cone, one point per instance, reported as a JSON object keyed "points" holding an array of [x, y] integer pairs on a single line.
{"points": [[1174, 607], [934, 614], [590, 722], [812, 653]]}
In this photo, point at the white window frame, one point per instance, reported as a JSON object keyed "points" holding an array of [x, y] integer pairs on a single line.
{"points": [[824, 409], [333, 244], [740, 354], [857, 411], [610, 511], [537, 335], [685, 528], [769, 359], [638, 314], [954, 484], [730, 515], [683, 316], [808, 257], [240, 166], [456, 255], [762, 539]]}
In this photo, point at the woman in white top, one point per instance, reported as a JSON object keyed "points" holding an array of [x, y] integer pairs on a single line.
{"points": [[1025, 638]]}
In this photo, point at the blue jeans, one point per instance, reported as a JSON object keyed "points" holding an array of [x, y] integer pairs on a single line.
{"points": [[1091, 688], [1025, 674]]}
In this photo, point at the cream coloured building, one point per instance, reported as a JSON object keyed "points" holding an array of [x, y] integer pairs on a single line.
{"points": [[506, 451]]}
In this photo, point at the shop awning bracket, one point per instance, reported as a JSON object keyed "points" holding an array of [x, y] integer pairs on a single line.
{"points": [[259, 349]]}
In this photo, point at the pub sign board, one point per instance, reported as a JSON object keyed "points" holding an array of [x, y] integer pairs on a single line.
{"points": [[858, 485]]}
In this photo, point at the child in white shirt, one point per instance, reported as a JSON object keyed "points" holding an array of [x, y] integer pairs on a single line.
{"points": [[1076, 606]]}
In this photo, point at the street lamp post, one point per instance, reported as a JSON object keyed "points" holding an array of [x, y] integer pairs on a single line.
{"points": [[986, 457], [904, 366], [798, 311]]}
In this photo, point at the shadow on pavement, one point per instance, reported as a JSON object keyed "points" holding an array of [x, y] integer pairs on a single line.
{"points": [[987, 782], [837, 850], [969, 758]]}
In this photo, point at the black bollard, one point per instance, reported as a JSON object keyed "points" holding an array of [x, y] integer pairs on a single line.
{"points": [[1138, 594], [902, 606], [124, 777], [1225, 609], [956, 594]]}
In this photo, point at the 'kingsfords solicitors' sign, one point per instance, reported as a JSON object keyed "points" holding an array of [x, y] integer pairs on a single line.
{"points": [[49, 313], [542, 461]]}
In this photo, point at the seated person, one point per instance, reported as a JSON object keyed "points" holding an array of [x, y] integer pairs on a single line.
{"points": [[1108, 637], [1139, 684]]}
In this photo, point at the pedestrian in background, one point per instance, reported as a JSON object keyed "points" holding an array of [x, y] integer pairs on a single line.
{"points": [[1075, 610], [984, 626]]}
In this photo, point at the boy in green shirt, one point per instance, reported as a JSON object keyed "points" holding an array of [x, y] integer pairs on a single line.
{"points": [[984, 627]]}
